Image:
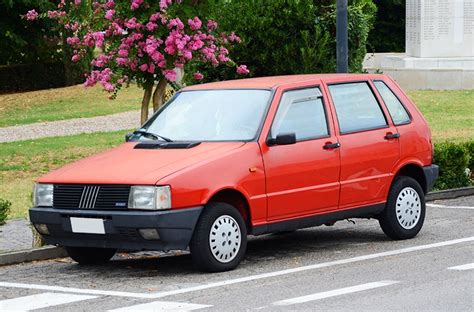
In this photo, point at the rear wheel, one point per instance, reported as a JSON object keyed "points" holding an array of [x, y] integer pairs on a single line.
{"points": [[88, 255], [404, 212], [220, 239]]}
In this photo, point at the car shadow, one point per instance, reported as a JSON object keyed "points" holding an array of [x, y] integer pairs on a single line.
{"points": [[282, 246]]}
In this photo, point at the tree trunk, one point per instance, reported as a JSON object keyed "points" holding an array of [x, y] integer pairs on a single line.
{"points": [[146, 103], [159, 94]]}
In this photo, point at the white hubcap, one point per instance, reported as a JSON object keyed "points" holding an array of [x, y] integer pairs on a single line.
{"points": [[225, 239], [408, 208]]}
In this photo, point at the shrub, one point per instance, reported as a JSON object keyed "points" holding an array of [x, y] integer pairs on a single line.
{"points": [[290, 36], [4, 210], [453, 159]]}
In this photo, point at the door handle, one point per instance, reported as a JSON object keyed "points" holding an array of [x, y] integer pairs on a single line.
{"points": [[329, 145], [391, 136]]}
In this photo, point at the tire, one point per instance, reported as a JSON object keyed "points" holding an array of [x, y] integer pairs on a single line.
{"points": [[404, 212], [89, 256], [212, 248]]}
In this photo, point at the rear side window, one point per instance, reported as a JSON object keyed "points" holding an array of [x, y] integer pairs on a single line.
{"points": [[301, 112], [397, 111], [357, 108]]}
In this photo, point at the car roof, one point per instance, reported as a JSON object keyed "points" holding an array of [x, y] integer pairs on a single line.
{"points": [[277, 81]]}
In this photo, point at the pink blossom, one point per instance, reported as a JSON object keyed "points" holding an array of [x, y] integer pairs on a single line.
{"points": [[242, 70], [56, 14], [155, 17], [76, 58], [151, 68], [164, 4], [132, 23], [195, 23], [110, 4], [198, 76], [234, 38], [176, 22], [77, 2], [211, 25], [109, 14], [136, 4], [150, 26], [72, 41], [31, 15], [170, 74], [144, 67], [123, 53], [121, 61]]}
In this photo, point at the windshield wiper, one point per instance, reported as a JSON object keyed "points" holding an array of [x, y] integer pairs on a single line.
{"points": [[152, 135]]}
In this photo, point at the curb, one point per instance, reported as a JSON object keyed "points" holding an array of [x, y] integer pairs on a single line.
{"points": [[36, 254], [450, 194], [52, 252]]}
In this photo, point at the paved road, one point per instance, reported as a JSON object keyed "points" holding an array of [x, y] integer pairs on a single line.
{"points": [[346, 267]]}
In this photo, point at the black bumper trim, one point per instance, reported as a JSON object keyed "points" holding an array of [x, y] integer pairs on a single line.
{"points": [[431, 174], [175, 228]]}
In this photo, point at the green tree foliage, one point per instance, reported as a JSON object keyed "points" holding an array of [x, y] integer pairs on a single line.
{"points": [[19, 42], [388, 34], [290, 36]]}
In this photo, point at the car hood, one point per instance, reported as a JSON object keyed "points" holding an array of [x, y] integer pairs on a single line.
{"points": [[127, 165]]}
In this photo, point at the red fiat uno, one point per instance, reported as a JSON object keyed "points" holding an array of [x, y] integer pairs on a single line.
{"points": [[224, 160]]}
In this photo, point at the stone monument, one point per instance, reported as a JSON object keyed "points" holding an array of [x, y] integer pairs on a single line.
{"points": [[439, 47]]}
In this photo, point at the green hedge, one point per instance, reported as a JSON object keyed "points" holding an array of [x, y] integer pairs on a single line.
{"points": [[4, 210], [455, 161]]}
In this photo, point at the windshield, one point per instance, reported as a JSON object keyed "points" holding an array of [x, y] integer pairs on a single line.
{"points": [[211, 115]]}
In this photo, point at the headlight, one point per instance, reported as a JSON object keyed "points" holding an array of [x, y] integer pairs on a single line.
{"points": [[150, 197], [43, 195]]}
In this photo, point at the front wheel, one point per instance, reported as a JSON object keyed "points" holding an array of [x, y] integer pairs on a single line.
{"points": [[88, 255], [404, 212], [220, 239]]}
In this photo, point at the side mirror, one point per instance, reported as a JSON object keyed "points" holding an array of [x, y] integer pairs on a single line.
{"points": [[283, 139], [128, 136]]}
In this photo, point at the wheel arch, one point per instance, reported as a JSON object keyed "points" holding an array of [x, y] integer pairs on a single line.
{"points": [[236, 199], [415, 171]]}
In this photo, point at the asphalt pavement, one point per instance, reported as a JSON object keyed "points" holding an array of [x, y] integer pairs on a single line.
{"points": [[345, 267]]}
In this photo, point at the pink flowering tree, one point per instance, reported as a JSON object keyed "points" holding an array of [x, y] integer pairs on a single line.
{"points": [[148, 42]]}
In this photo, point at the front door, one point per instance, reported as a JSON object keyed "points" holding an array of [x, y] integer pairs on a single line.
{"points": [[369, 145], [302, 178]]}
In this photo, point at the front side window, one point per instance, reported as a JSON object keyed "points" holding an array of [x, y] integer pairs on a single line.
{"points": [[301, 112], [395, 107], [357, 108], [211, 115]]}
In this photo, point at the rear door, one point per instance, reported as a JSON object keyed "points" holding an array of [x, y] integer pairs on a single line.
{"points": [[369, 144], [301, 178]]}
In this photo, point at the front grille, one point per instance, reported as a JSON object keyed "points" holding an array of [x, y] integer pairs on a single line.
{"points": [[90, 196]]}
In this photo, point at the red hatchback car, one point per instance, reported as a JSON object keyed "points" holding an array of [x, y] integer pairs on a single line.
{"points": [[224, 160]]}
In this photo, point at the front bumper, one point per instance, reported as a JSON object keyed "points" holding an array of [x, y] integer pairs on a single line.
{"points": [[175, 228], [431, 174]]}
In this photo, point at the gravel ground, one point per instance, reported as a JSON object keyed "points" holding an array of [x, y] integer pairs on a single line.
{"points": [[15, 235], [115, 122]]}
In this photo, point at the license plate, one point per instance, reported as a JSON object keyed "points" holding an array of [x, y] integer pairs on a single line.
{"points": [[87, 225]]}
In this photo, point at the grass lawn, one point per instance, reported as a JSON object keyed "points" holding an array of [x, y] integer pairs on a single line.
{"points": [[22, 162], [449, 113], [64, 103]]}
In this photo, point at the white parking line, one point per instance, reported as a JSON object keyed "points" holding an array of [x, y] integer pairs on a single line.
{"points": [[463, 267], [245, 278], [333, 293], [163, 306], [39, 301], [449, 207]]}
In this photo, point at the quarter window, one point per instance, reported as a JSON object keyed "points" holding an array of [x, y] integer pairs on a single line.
{"points": [[301, 112], [357, 108], [397, 111]]}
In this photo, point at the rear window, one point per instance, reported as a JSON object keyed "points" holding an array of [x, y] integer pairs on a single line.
{"points": [[357, 108], [397, 111]]}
